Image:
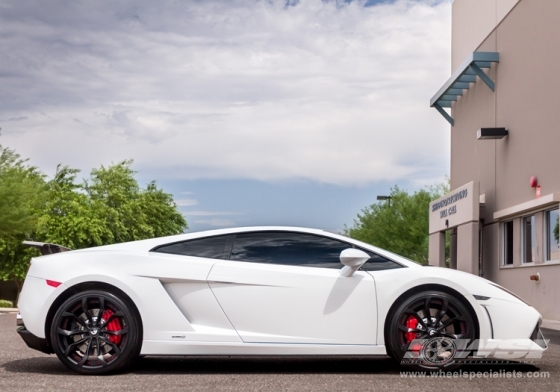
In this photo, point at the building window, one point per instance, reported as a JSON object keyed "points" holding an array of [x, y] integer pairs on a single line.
{"points": [[508, 243], [552, 246], [528, 240]]}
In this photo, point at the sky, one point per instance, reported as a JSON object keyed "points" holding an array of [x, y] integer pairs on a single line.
{"points": [[249, 112]]}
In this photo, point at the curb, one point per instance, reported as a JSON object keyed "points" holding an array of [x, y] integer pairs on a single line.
{"points": [[8, 310], [551, 324]]}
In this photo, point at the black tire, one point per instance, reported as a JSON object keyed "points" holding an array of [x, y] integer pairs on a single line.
{"points": [[437, 342], [96, 332]]}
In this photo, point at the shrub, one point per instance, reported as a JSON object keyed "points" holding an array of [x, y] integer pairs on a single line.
{"points": [[6, 304]]}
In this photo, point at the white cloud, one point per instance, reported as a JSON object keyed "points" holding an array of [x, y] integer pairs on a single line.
{"points": [[216, 222], [210, 213], [243, 89], [186, 202]]}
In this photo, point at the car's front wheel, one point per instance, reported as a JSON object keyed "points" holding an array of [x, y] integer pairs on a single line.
{"points": [[95, 332], [431, 330]]}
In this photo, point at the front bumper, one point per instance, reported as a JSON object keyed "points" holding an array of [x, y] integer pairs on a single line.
{"points": [[516, 333], [31, 340], [538, 337]]}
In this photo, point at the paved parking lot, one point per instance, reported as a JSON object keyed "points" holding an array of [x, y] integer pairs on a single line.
{"points": [[23, 369]]}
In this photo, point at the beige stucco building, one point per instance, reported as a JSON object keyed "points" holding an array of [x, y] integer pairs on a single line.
{"points": [[502, 212]]}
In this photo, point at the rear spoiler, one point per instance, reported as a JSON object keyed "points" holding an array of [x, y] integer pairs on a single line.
{"points": [[45, 248]]}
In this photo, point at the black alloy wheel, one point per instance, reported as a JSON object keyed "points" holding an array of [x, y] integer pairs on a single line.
{"points": [[431, 330], [95, 332]]}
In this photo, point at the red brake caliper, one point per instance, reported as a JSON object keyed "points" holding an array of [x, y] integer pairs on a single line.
{"points": [[114, 325], [412, 323]]}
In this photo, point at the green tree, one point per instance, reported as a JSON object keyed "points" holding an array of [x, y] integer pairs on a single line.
{"points": [[68, 217], [14, 259], [22, 189], [161, 212], [107, 208], [21, 194], [131, 213], [399, 224]]}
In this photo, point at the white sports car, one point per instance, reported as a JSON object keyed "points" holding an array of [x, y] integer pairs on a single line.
{"points": [[263, 291]]}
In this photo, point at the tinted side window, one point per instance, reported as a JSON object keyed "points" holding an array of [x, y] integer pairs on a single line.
{"points": [[210, 247], [288, 249], [378, 263]]}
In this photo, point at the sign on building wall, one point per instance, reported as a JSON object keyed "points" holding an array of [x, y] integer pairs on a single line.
{"points": [[456, 208]]}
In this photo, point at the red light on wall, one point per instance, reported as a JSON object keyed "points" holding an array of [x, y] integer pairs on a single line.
{"points": [[53, 283], [533, 182]]}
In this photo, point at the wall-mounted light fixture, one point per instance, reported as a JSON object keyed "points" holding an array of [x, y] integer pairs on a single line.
{"points": [[533, 182], [491, 133]]}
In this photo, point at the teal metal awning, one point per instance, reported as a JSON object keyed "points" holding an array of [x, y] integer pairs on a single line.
{"points": [[460, 80]]}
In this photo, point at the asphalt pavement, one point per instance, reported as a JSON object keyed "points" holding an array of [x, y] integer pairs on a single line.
{"points": [[23, 369]]}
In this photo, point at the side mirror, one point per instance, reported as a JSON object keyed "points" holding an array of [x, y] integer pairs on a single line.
{"points": [[352, 259]]}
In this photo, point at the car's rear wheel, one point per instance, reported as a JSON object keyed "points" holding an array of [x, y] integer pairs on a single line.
{"points": [[431, 330], [95, 332]]}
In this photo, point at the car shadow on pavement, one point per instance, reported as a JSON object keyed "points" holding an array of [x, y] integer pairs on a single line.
{"points": [[254, 365], [294, 365], [40, 365]]}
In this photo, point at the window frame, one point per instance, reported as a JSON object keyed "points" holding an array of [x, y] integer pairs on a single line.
{"points": [[508, 243], [533, 237], [547, 235]]}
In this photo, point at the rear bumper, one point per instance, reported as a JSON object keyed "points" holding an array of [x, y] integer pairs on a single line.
{"points": [[34, 342]]}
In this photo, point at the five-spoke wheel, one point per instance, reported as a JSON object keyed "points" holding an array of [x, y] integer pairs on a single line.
{"points": [[430, 331], [95, 332]]}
